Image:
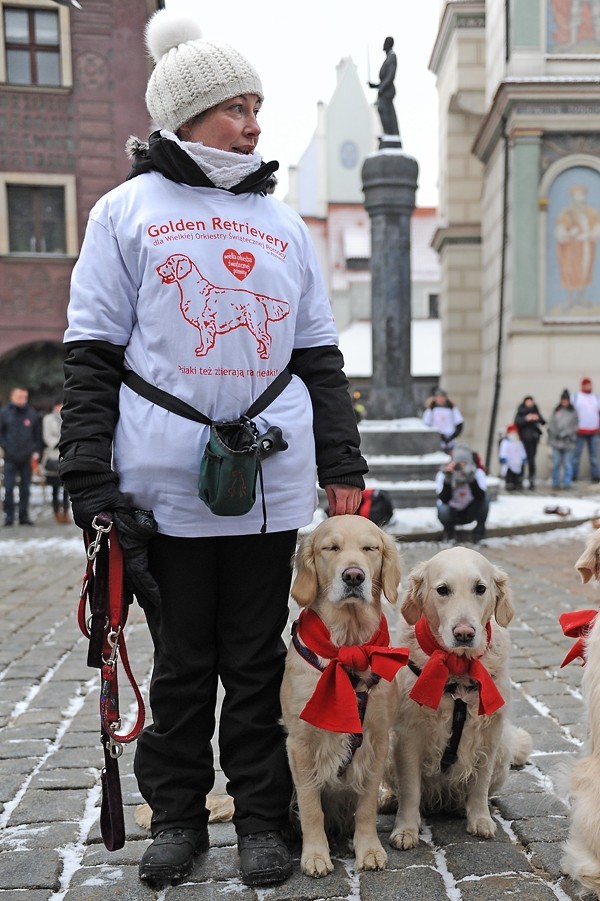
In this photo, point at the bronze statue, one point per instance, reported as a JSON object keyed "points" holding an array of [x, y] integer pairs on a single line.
{"points": [[386, 90]]}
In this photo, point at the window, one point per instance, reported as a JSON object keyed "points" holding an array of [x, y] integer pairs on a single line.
{"points": [[38, 214], [36, 219], [32, 45], [433, 312]]}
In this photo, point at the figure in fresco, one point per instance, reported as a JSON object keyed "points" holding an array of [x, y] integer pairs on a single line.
{"points": [[575, 22], [576, 231], [386, 90]]}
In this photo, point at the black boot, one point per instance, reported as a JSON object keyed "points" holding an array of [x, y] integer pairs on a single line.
{"points": [[170, 857], [264, 858]]}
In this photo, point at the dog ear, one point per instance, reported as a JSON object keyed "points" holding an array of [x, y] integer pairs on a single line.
{"points": [[588, 564], [504, 610], [412, 605], [183, 267], [391, 571], [305, 584]]}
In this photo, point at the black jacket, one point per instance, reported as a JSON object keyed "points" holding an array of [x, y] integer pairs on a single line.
{"points": [[20, 432], [529, 430]]}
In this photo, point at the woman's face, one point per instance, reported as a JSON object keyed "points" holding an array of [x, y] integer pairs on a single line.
{"points": [[231, 125]]}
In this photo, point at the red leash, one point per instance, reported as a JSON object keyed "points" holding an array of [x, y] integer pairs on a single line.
{"points": [[103, 589]]}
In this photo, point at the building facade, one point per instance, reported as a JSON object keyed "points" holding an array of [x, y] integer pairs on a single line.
{"points": [[72, 84], [519, 102]]}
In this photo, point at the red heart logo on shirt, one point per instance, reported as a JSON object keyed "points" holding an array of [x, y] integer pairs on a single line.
{"points": [[239, 264]]}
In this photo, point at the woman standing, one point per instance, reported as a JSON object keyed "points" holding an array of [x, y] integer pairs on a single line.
{"points": [[194, 278], [529, 420], [562, 437]]}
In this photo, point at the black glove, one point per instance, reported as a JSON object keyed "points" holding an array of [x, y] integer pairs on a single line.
{"points": [[135, 528]]}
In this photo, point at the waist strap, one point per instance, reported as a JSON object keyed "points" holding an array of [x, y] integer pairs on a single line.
{"points": [[175, 405]]}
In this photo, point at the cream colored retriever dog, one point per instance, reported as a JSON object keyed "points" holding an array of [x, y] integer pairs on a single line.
{"points": [[453, 621], [581, 859], [342, 569]]}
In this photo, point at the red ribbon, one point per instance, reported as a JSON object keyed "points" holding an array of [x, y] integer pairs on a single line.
{"points": [[577, 624], [333, 704], [429, 687]]}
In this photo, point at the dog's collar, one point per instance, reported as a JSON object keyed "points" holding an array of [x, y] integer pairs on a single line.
{"points": [[430, 685], [333, 703], [577, 624]]}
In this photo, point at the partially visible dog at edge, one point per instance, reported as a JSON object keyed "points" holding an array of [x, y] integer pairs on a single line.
{"points": [[340, 657], [581, 859], [453, 620]]}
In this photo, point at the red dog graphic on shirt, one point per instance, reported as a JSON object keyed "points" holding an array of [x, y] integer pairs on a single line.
{"points": [[216, 311]]}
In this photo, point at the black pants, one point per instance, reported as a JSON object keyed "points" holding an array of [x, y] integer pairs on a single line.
{"points": [[530, 445], [224, 608]]}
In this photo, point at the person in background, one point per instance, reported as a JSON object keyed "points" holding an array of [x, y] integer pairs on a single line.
{"points": [[528, 421], [360, 411], [513, 457], [214, 588], [587, 405], [21, 441], [461, 488], [51, 425], [445, 417], [562, 438]]}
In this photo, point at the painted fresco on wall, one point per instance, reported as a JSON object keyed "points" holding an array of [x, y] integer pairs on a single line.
{"points": [[572, 252], [573, 26]]}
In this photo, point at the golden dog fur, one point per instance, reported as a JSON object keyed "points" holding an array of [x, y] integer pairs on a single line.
{"points": [[457, 589], [325, 799], [581, 858]]}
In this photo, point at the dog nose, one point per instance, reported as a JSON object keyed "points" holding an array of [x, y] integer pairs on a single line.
{"points": [[353, 575], [463, 633]]}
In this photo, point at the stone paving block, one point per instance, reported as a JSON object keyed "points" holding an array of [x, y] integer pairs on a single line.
{"points": [[545, 855], [39, 836], [48, 807], [101, 883], [213, 891], [27, 749], [50, 716], [78, 758], [501, 888], [305, 888], [59, 778], [412, 884], [530, 804], [450, 830], [541, 829], [29, 870], [486, 857]]}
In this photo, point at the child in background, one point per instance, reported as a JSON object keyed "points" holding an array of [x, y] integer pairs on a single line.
{"points": [[513, 458]]}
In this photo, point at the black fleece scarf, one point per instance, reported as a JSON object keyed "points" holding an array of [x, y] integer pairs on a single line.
{"points": [[165, 156]]}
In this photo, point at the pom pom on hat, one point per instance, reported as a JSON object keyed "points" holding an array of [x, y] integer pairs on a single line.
{"points": [[191, 74], [565, 395]]}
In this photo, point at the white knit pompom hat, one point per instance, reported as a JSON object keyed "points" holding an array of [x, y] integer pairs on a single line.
{"points": [[191, 75]]}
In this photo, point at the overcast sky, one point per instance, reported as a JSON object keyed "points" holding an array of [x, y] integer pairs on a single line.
{"points": [[296, 48]]}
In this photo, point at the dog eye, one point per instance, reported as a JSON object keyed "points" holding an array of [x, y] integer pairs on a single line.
{"points": [[480, 589], [332, 547], [443, 590], [370, 547]]}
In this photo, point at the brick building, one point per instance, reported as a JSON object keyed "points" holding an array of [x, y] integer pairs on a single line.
{"points": [[72, 84]]}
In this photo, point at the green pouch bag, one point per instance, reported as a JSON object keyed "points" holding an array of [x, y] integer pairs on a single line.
{"points": [[229, 468]]}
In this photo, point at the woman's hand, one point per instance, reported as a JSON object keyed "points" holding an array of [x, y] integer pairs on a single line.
{"points": [[343, 499]]}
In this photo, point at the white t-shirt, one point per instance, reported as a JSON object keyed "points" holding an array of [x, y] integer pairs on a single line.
{"points": [[210, 293], [588, 410], [443, 419], [462, 494]]}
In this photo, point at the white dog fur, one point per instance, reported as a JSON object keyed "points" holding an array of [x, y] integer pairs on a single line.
{"points": [[326, 800], [458, 591], [581, 859]]}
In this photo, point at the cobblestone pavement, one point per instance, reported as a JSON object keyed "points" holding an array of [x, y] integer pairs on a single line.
{"points": [[50, 755]]}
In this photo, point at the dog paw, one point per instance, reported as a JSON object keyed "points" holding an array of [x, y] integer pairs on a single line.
{"points": [[316, 864], [404, 839], [482, 826], [372, 859]]}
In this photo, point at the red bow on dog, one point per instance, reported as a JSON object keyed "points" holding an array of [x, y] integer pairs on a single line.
{"points": [[577, 624], [333, 705], [429, 687]]}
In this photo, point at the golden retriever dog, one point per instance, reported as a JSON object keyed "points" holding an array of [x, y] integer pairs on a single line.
{"points": [[216, 311], [453, 621], [342, 568], [581, 859]]}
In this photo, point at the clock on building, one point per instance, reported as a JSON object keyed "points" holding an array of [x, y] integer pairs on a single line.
{"points": [[349, 154]]}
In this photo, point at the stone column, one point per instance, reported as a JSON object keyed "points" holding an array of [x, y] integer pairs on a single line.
{"points": [[389, 184]]}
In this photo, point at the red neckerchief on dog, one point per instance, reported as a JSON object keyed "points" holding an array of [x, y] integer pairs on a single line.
{"points": [[429, 687], [577, 624], [333, 705]]}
